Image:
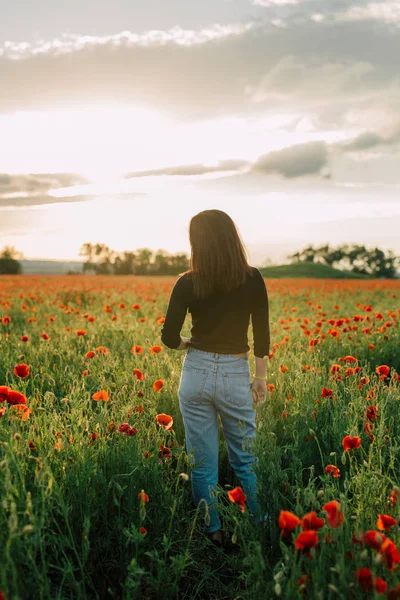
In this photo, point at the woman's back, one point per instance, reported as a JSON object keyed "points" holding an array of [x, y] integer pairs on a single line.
{"points": [[220, 321]]}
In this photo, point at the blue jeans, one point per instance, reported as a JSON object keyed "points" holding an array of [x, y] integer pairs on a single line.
{"points": [[213, 384]]}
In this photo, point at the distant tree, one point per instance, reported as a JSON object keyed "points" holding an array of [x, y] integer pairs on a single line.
{"points": [[356, 258], [104, 261], [125, 264], [307, 255], [99, 258], [143, 260], [9, 263]]}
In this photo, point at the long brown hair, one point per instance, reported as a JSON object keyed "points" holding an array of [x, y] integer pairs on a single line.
{"points": [[218, 261]]}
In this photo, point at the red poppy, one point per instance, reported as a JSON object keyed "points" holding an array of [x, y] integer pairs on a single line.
{"points": [[311, 521], [334, 515], [80, 332], [45, 336], [390, 553], [2, 412], [143, 530], [160, 321], [368, 583], [143, 497], [306, 540], [137, 349], [24, 338], [158, 385], [155, 349], [126, 429], [90, 354], [136, 307], [335, 368], [102, 350], [373, 539], [385, 522], [138, 409], [314, 342], [21, 370], [349, 359], [101, 395], [394, 594], [287, 522], [4, 391], [349, 442], [14, 397], [138, 374], [85, 372], [372, 413], [382, 370], [238, 496], [164, 452], [326, 393], [165, 421], [332, 470], [302, 580]]}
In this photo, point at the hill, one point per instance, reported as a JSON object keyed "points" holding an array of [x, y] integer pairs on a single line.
{"points": [[309, 271]]}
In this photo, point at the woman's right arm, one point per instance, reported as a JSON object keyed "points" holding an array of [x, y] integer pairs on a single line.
{"points": [[261, 335]]}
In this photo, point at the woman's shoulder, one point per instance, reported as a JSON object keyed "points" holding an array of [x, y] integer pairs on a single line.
{"points": [[255, 273]]}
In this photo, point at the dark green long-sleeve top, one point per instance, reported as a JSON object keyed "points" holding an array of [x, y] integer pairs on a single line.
{"points": [[220, 322]]}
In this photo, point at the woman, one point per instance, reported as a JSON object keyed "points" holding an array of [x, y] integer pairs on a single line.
{"points": [[221, 291]]}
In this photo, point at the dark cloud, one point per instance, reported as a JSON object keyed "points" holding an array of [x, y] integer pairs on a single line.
{"points": [[188, 170], [38, 183], [295, 161], [368, 140]]}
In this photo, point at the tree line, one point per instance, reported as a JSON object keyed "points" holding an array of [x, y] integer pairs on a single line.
{"points": [[102, 260], [355, 258]]}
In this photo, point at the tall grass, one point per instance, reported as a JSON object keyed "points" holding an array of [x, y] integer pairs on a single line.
{"points": [[70, 516]]}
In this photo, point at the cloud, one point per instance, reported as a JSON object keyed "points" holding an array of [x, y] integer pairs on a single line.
{"points": [[295, 161], [32, 185], [17, 201], [191, 170], [370, 139], [246, 69]]}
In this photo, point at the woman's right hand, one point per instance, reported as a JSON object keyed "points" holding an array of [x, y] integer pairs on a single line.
{"points": [[259, 390]]}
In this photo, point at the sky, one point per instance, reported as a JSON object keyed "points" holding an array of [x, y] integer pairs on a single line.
{"points": [[121, 120]]}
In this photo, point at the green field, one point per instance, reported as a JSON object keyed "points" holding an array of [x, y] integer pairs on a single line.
{"points": [[71, 523], [309, 270]]}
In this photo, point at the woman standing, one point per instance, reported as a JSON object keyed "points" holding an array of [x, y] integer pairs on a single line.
{"points": [[221, 291]]}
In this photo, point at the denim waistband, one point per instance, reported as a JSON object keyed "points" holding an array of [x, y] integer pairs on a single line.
{"points": [[214, 355]]}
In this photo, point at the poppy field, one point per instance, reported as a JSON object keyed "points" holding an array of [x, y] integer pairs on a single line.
{"points": [[95, 496]]}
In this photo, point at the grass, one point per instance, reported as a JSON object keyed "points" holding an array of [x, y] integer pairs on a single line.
{"points": [[70, 516]]}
